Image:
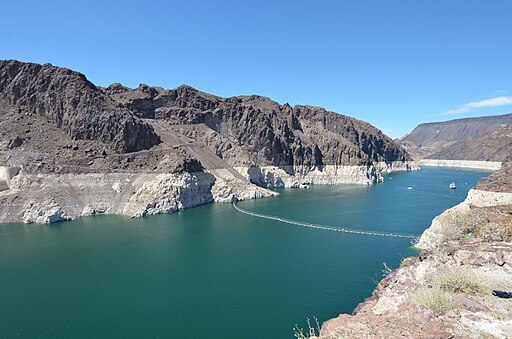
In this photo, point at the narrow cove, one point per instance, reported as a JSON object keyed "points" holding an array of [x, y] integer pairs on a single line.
{"points": [[212, 271]]}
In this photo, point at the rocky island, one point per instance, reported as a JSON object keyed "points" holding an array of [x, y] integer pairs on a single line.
{"points": [[69, 148]]}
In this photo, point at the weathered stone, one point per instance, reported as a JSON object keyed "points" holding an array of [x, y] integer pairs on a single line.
{"points": [[74, 104], [16, 142]]}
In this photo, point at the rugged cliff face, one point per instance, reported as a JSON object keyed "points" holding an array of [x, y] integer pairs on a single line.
{"points": [[68, 100], [57, 129], [254, 130]]}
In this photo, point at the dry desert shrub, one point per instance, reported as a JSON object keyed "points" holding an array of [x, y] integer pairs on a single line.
{"points": [[459, 281], [460, 223], [435, 299]]}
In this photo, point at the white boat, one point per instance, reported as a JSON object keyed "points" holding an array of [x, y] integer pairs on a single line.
{"points": [[452, 186], [409, 187]]}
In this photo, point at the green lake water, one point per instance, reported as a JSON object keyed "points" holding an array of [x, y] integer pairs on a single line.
{"points": [[211, 271]]}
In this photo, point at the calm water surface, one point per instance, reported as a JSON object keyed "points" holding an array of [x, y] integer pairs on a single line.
{"points": [[210, 271]]}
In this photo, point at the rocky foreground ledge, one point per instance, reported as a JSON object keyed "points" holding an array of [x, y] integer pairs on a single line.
{"points": [[445, 292]]}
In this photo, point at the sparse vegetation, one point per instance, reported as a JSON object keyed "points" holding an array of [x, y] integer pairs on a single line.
{"points": [[435, 298], [440, 297], [459, 281], [312, 330], [460, 223], [500, 230], [488, 223], [405, 262]]}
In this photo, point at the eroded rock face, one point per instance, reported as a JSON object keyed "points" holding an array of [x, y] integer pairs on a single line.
{"points": [[493, 146], [67, 99], [44, 212], [499, 181], [52, 198], [272, 134], [167, 193]]}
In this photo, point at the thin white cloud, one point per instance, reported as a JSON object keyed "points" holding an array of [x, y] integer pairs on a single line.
{"points": [[492, 102]]}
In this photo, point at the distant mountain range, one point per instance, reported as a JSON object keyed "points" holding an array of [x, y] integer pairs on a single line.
{"points": [[481, 138]]}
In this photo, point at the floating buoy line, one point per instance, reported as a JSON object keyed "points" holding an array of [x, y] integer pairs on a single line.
{"points": [[325, 227]]}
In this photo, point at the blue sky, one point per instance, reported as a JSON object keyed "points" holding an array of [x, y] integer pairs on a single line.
{"points": [[392, 63]]}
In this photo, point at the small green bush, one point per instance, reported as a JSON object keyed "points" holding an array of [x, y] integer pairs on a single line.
{"points": [[436, 299]]}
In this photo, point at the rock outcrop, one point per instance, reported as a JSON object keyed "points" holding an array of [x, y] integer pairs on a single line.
{"points": [[67, 99], [47, 198], [498, 181], [254, 130], [444, 293]]}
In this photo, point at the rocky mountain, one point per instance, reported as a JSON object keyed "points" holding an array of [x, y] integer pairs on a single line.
{"points": [[492, 146], [256, 130], [239, 131], [429, 138], [72, 103], [57, 129]]}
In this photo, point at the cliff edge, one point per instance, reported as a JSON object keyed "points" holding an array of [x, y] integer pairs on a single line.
{"points": [[446, 292]]}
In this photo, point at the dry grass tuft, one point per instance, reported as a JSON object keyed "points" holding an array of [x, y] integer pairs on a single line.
{"points": [[459, 281], [488, 223], [435, 299]]}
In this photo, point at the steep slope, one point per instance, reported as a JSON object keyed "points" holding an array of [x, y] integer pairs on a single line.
{"points": [[498, 181], [68, 100], [254, 130], [430, 138], [493, 146]]}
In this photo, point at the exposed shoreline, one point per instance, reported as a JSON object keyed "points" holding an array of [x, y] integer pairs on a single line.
{"points": [[472, 164], [48, 198]]}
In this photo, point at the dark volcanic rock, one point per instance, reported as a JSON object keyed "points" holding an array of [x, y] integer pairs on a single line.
{"points": [[175, 126], [456, 130], [16, 142], [270, 133], [66, 98]]}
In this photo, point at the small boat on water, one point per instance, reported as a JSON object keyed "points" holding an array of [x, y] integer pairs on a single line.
{"points": [[452, 186], [409, 187]]}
